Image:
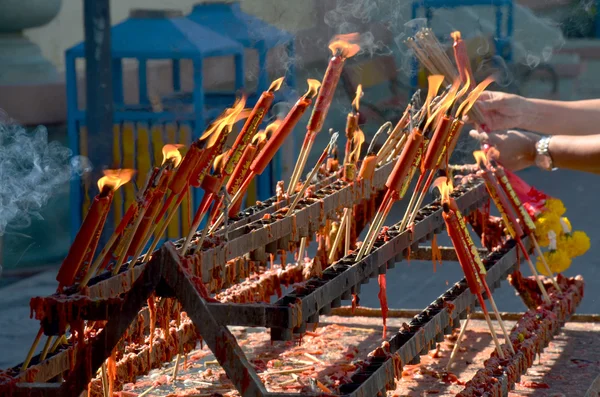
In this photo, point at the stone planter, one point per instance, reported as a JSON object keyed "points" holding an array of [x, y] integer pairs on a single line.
{"points": [[21, 61]]}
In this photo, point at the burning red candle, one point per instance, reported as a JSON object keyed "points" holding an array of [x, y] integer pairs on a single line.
{"points": [[463, 63], [499, 197], [498, 171], [285, 128], [352, 123], [251, 126], [407, 159], [342, 47], [438, 141], [92, 225]]}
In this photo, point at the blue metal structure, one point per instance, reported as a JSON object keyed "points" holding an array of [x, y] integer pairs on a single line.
{"points": [[504, 20], [137, 128], [253, 33]]}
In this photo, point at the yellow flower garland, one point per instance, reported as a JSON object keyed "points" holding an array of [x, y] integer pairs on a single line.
{"points": [[568, 244], [555, 206], [558, 261]]}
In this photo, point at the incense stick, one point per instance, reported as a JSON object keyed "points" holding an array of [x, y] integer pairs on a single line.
{"points": [[457, 344]]}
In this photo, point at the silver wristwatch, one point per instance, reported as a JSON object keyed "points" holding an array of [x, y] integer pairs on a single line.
{"points": [[543, 159]]}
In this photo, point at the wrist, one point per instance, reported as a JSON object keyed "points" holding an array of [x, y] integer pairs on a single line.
{"points": [[528, 114]]}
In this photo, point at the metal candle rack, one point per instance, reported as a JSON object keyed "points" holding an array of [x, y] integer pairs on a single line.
{"points": [[169, 275]]}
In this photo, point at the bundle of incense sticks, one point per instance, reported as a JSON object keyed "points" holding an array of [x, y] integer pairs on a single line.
{"points": [[430, 52]]}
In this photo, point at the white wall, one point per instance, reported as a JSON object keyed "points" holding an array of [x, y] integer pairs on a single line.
{"points": [[66, 29]]}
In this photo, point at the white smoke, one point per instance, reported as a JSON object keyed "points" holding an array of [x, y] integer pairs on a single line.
{"points": [[32, 170]]}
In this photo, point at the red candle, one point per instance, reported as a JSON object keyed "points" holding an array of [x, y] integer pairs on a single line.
{"points": [[150, 217], [251, 126], [463, 63], [265, 156], [436, 146], [451, 142], [187, 167], [241, 170], [367, 168], [463, 251], [342, 47], [93, 224], [407, 159], [524, 216], [499, 197]]}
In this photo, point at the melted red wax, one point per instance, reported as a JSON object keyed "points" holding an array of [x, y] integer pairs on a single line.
{"points": [[436, 254], [152, 309], [382, 295], [535, 385], [112, 372]]}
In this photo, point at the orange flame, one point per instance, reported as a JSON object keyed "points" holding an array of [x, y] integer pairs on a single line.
{"points": [[115, 178], [259, 137], [223, 123], [480, 158], [466, 87], [244, 114], [276, 85], [444, 104], [220, 160], [456, 36], [473, 96], [445, 187], [493, 154], [171, 152], [313, 88], [345, 44], [356, 101], [435, 81], [271, 128], [357, 141]]}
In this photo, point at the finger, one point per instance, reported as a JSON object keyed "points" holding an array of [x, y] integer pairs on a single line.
{"points": [[480, 136]]}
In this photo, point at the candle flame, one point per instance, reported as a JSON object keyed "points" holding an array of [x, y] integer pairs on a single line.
{"points": [[456, 36], [115, 178], [466, 87], [244, 114], [171, 152], [259, 138], [480, 158], [444, 185], [356, 101], [220, 161], [313, 88], [493, 154], [276, 85], [444, 104], [357, 141], [271, 128], [223, 123], [346, 45], [473, 96], [435, 81]]}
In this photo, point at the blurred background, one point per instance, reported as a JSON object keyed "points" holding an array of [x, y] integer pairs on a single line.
{"points": [[164, 68]]}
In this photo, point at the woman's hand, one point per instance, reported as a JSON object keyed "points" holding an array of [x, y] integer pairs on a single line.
{"points": [[517, 149], [503, 111]]}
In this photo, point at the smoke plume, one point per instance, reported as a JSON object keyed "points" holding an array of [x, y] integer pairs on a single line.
{"points": [[31, 171]]}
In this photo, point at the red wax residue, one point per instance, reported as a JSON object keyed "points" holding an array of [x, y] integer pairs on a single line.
{"points": [[535, 385], [382, 295], [152, 309]]}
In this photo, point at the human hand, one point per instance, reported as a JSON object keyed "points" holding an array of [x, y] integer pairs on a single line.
{"points": [[503, 111], [517, 148]]}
